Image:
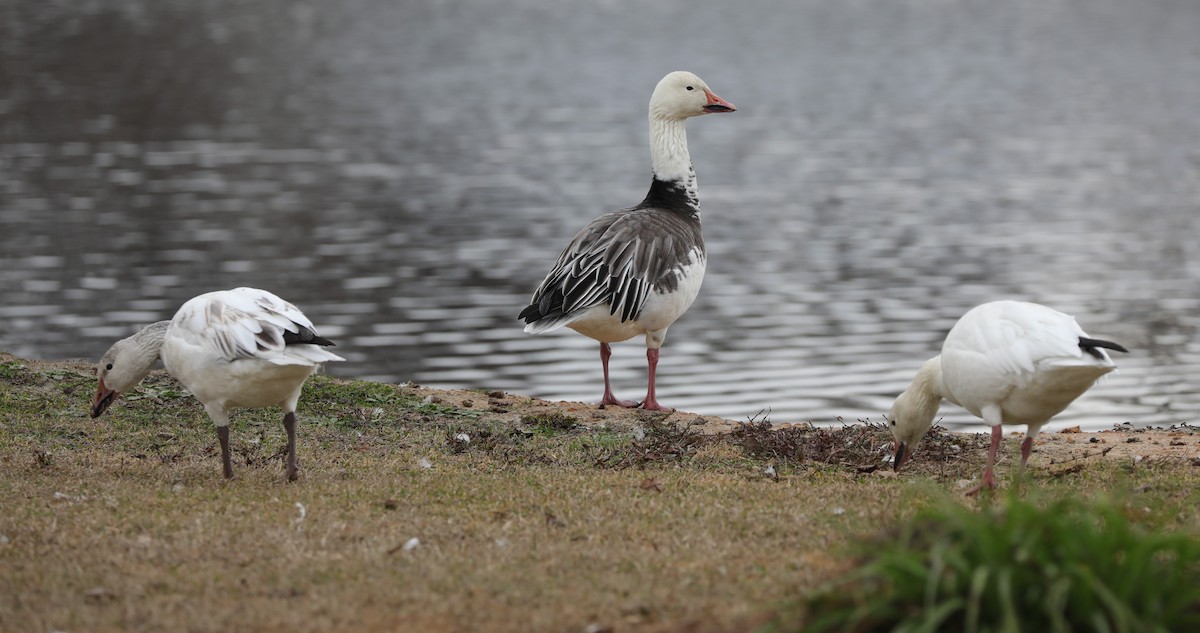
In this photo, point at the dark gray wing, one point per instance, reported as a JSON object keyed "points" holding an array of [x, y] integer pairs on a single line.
{"points": [[617, 260]]}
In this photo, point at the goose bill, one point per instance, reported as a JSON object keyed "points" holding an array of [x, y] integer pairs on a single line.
{"points": [[901, 456], [717, 104], [104, 397]]}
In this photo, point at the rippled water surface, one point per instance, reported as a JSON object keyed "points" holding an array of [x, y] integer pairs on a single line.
{"points": [[406, 172]]}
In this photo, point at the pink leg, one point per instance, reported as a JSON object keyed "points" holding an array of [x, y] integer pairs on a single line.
{"points": [[1026, 449], [609, 398], [989, 480], [651, 403]]}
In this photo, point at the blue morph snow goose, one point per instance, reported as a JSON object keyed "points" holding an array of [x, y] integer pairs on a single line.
{"points": [[1008, 362], [232, 348], [637, 270]]}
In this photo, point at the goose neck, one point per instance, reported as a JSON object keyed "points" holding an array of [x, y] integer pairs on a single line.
{"points": [[150, 338], [669, 157], [669, 151], [926, 392]]}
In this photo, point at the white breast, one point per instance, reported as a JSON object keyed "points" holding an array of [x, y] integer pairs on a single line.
{"points": [[663, 309]]}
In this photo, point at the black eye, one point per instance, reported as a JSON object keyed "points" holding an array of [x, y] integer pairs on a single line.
{"points": [[690, 88], [893, 421], [109, 367]]}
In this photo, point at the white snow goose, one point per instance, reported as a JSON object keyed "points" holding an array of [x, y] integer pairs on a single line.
{"points": [[232, 348], [1008, 362], [635, 271]]}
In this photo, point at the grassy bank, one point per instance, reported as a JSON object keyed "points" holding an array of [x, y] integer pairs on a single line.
{"points": [[444, 511]]}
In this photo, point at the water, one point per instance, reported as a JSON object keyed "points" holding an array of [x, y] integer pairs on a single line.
{"points": [[407, 172]]}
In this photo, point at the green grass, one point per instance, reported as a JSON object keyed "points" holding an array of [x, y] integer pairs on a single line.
{"points": [[549, 424], [10, 369], [1068, 565]]}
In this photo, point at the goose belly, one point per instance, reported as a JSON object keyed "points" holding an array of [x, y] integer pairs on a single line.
{"points": [[661, 309], [1028, 398], [1051, 391], [262, 384], [249, 382]]}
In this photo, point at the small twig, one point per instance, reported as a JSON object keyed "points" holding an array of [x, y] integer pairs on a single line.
{"points": [[1101, 453], [1070, 470]]}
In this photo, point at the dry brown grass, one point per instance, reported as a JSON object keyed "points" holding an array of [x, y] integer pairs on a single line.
{"points": [[550, 518], [108, 541]]}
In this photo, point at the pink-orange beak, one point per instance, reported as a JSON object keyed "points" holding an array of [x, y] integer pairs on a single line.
{"points": [[104, 397], [717, 104]]}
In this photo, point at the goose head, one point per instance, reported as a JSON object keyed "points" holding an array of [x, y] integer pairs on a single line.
{"points": [[681, 95], [912, 413], [122, 367]]}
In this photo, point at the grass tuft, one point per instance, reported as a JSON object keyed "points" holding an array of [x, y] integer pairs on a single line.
{"points": [[1067, 567], [11, 369], [550, 424]]}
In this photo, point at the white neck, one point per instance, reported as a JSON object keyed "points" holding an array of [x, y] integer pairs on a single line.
{"points": [[928, 380], [917, 406], [669, 157]]}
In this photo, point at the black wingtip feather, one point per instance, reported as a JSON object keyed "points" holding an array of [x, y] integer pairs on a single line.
{"points": [[1090, 346], [530, 314], [548, 306], [305, 337]]}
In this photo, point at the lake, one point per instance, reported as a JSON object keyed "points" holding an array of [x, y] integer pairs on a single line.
{"points": [[406, 173]]}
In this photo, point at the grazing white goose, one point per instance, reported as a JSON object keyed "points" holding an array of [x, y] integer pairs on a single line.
{"points": [[1008, 362], [635, 271], [232, 348]]}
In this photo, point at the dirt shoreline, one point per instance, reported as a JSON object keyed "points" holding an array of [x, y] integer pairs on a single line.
{"points": [[1125, 442]]}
